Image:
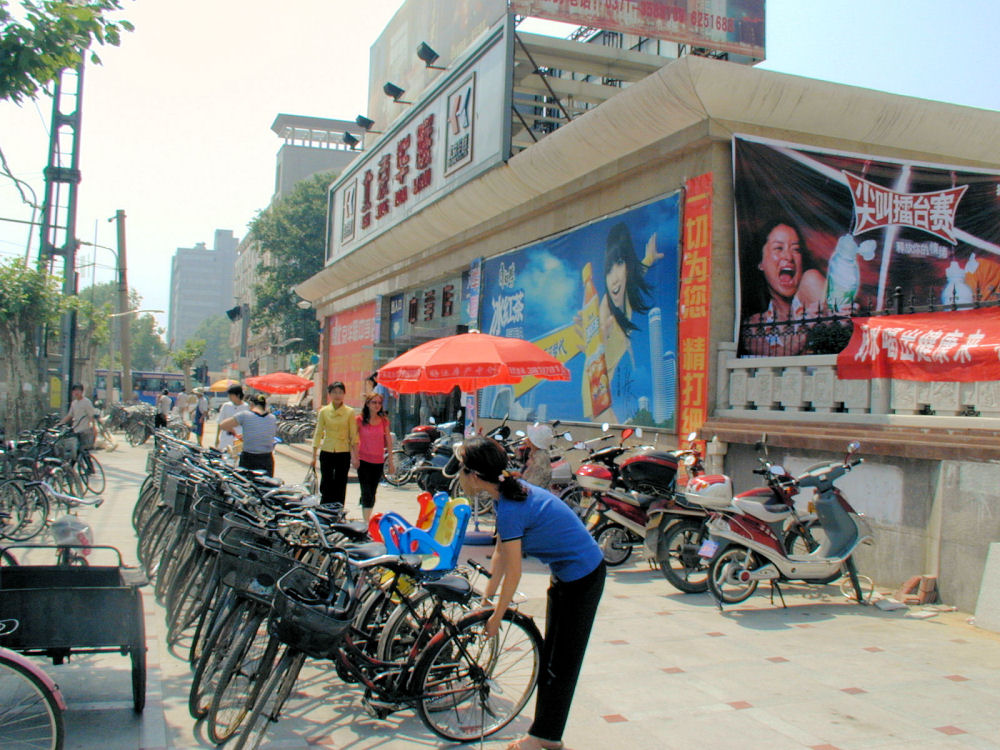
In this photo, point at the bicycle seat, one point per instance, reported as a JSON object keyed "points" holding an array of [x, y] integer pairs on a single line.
{"points": [[355, 532], [451, 588], [365, 551]]}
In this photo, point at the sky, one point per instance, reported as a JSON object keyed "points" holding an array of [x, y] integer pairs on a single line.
{"points": [[176, 122]]}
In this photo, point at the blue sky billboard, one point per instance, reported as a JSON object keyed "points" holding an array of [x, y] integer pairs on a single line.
{"points": [[601, 298]]}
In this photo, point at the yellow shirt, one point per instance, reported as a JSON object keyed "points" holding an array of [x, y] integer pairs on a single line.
{"points": [[336, 429]]}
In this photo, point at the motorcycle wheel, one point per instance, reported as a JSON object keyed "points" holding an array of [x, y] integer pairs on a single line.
{"points": [[723, 575], [573, 497], [614, 543], [403, 469], [804, 539], [678, 556]]}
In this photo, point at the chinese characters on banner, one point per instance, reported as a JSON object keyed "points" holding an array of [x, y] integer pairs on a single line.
{"points": [[738, 29], [694, 304], [351, 335], [959, 346]]}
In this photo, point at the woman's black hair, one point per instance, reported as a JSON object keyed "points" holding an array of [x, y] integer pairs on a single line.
{"points": [[488, 459], [366, 413], [757, 296], [334, 385], [235, 390], [258, 400], [621, 250]]}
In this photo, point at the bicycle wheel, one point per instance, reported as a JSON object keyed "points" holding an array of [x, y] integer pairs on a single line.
{"points": [[209, 668], [30, 716], [270, 700], [472, 686], [92, 473], [29, 509], [402, 472], [404, 626], [248, 664], [678, 556]]}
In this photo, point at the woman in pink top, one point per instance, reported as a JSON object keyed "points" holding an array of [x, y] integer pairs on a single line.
{"points": [[374, 450]]}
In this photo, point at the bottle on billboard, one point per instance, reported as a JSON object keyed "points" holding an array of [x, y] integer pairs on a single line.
{"points": [[595, 368]]}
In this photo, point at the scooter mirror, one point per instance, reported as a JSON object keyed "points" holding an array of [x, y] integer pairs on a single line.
{"points": [[431, 420], [627, 433], [580, 446], [638, 432], [853, 447], [778, 471], [567, 436], [692, 436], [520, 433], [605, 426]]}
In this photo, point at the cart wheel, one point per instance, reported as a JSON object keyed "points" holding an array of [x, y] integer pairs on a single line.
{"points": [[137, 652]]}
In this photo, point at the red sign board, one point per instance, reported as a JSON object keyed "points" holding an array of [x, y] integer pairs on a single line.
{"points": [[739, 29], [351, 335], [943, 346], [694, 304]]}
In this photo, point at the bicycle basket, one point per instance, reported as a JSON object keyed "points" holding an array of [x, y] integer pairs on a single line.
{"points": [[258, 566], [307, 616]]}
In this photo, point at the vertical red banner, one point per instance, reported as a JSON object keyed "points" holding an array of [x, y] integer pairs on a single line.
{"points": [[350, 338], [693, 306]]}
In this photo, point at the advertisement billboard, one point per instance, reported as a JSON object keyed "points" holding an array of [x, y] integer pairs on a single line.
{"points": [[351, 337], [822, 232], [457, 133], [602, 299], [734, 26]]}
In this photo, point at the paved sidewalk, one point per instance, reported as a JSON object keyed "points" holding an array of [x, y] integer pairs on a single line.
{"points": [[664, 670]]}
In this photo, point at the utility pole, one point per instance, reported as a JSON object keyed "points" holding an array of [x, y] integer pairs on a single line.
{"points": [[126, 320], [58, 234]]}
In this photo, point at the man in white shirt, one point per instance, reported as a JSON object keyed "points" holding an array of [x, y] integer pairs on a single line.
{"points": [[163, 406], [81, 416], [223, 439]]}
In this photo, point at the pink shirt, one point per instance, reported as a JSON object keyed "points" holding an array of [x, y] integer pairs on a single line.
{"points": [[371, 449]]}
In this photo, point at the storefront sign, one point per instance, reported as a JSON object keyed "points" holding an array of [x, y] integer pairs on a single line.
{"points": [[959, 346], [739, 29], [454, 134], [695, 302], [602, 299], [842, 231], [351, 336], [426, 310]]}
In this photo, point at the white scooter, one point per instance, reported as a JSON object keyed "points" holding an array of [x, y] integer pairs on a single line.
{"points": [[745, 544]]}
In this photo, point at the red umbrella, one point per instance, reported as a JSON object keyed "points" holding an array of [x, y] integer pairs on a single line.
{"points": [[469, 361], [279, 382]]}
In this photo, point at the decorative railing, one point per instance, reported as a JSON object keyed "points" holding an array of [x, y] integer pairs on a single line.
{"points": [[806, 388]]}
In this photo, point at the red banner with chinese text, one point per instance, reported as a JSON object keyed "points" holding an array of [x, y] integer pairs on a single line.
{"points": [[350, 339], [943, 346], [693, 306]]}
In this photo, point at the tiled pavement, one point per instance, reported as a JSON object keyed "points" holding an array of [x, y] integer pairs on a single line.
{"points": [[664, 670]]}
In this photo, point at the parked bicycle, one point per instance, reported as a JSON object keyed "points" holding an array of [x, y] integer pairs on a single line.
{"points": [[31, 705]]}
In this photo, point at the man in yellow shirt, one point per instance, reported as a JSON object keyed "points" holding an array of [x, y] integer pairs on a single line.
{"points": [[336, 441]]}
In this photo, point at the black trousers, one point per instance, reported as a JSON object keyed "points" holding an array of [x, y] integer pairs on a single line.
{"points": [[333, 468], [569, 616], [258, 461], [369, 475]]}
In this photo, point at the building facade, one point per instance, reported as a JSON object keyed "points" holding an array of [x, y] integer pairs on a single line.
{"points": [[652, 169], [201, 285]]}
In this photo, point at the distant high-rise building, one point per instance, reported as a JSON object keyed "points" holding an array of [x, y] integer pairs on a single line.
{"points": [[664, 368], [201, 285]]}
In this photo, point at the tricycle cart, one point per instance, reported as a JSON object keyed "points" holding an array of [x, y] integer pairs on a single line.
{"points": [[71, 609]]}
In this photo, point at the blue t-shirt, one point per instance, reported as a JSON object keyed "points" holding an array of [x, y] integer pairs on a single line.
{"points": [[549, 530]]}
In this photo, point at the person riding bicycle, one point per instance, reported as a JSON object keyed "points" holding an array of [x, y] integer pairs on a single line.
{"points": [[81, 416]]}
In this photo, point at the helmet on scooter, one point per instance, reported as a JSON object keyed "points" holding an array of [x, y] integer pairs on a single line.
{"points": [[714, 491]]}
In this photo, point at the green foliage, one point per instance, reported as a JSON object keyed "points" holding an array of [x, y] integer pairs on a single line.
{"points": [[49, 35], [28, 300], [215, 332], [829, 338], [292, 231], [193, 349], [148, 347]]}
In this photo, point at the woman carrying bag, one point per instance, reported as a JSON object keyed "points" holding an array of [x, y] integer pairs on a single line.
{"points": [[374, 450]]}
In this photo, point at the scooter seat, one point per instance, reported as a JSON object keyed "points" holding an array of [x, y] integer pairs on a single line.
{"points": [[769, 513]]}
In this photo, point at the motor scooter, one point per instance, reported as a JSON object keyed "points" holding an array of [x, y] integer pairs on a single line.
{"points": [[747, 537]]}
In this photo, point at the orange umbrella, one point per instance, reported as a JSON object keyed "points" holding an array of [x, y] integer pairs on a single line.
{"points": [[469, 361], [279, 382], [222, 385]]}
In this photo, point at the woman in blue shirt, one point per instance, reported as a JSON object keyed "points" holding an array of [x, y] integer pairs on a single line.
{"points": [[536, 522]]}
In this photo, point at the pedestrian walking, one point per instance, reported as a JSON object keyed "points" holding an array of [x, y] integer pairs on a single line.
{"points": [[532, 520], [538, 462], [259, 429], [163, 406], [336, 442], [374, 450], [200, 413], [224, 439]]}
